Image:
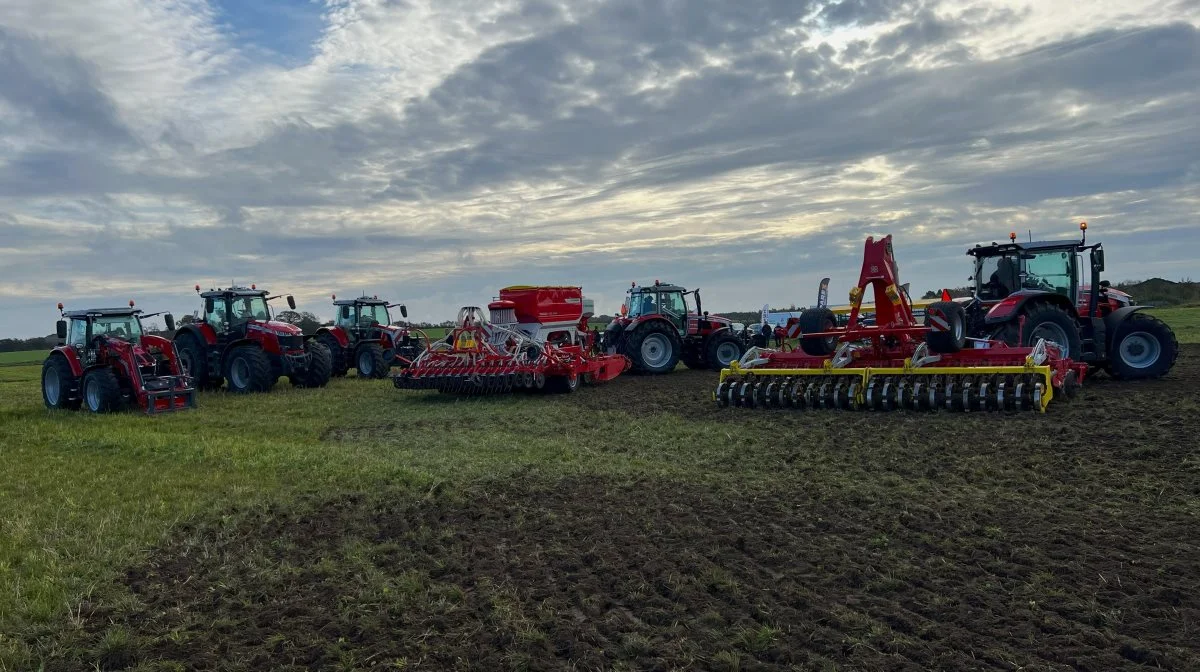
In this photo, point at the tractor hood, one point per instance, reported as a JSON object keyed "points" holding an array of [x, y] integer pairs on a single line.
{"points": [[275, 327]]}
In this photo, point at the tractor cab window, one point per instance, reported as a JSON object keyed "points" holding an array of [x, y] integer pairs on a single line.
{"points": [[345, 316], [997, 277], [642, 303], [77, 334], [125, 327], [370, 315], [671, 305], [250, 308], [218, 317], [1050, 271]]}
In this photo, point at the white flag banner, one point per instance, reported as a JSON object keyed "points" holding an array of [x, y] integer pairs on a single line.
{"points": [[766, 311]]}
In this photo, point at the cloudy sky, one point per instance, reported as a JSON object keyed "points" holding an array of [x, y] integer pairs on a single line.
{"points": [[433, 151]]}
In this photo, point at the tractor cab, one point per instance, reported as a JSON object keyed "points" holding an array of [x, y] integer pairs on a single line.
{"points": [[81, 328], [365, 312], [234, 308], [1051, 266], [669, 301]]}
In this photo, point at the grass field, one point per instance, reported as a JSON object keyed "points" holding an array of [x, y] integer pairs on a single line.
{"points": [[26, 357], [626, 526]]}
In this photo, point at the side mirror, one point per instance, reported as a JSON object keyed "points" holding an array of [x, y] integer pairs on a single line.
{"points": [[170, 320], [62, 329], [1098, 259], [345, 312], [403, 311], [208, 305], [291, 302], [1105, 284]]}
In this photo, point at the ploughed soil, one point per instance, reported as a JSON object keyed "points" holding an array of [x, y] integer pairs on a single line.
{"points": [[848, 541]]}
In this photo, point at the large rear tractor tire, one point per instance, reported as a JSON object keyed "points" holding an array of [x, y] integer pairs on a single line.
{"points": [[319, 365], [369, 361], [101, 391], [813, 321], [1044, 321], [654, 347], [722, 349], [947, 324], [1142, 347], [58, 383], [337, 355], [194, 359], [248, 370]]}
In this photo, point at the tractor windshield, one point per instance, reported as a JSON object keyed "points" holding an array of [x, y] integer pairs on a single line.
{"points": [[997, 277], [124, 327], [640, 303], [377, 314], [249, 308]]}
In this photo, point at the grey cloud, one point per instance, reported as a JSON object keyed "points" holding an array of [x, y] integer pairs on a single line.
{"points": [[58, 91]]}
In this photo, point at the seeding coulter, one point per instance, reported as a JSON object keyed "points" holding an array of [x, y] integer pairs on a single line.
{"points": [[106, 361], [534, 338], [897, 363]]}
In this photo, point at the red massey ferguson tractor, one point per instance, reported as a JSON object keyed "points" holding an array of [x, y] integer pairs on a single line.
{"points": [[657, 328], [105, 361], [1030, 291], [363, 337], [238, 342]]}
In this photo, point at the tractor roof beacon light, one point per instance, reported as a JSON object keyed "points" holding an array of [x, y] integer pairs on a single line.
{"points": [[197, 288], [1083, 228], [1012, 235], [131, 303]]}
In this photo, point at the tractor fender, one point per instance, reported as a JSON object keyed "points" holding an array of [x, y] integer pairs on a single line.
{"points": [[1114, 319], [200, 330], [233, 344], [338, 334], [72, 358], [1014, 304]]}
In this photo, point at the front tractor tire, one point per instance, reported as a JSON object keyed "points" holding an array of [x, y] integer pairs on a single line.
{"points": [[319, 366], [654, 347], [247, 370], [369, 361], [723, 349], [338, 366], [58, 383], [1142, 347], [101, 391], [194, 361]]}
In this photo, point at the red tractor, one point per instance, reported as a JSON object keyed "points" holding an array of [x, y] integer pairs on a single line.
{"points": [[238, 342], [657, 328], [1030, 291], [106, 361], [363, 337]]}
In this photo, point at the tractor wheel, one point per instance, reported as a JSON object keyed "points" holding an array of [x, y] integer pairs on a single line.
{"points": [[723, 349], [654, 347], [693, 355], [317, 374], [1142, 347], [58, 383], [337, 355], [947, 324], [193, 357], [1045, 321], [101, 391], [248, 370], [369, 361], [816, 320], [562, 384]]}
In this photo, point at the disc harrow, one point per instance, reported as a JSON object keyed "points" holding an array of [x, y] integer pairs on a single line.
{"points": [[896, 364]]}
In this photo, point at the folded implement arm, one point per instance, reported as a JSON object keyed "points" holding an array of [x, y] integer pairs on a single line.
{"points": [[897, 363]]}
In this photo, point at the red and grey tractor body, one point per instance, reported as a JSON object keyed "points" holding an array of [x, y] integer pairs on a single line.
{"points": [[105, 362], [363, 338], [1026, 291], [657, 328], [237, 342]]}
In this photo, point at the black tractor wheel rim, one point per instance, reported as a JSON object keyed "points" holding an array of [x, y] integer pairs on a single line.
{"points": [[727, 353], [1139, 350], [53, 386]]}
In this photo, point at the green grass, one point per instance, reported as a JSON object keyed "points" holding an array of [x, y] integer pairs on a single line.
{"points": [[23, 357], [1185, 321]]}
